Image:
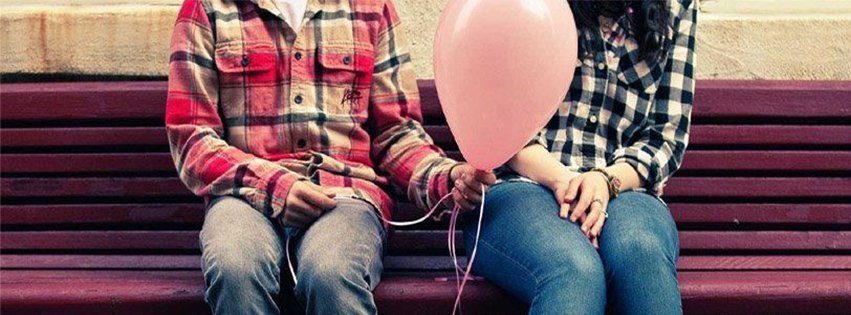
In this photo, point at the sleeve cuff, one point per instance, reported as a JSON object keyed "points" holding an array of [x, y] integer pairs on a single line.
{"points": [[642, 166], [440, 183]]}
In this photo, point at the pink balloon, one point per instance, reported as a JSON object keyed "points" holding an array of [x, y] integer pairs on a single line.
{"points": [[502, 67]]}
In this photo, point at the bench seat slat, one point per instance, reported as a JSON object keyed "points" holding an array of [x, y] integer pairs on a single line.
{"points": [[412, 241], [180, 292], [695, 160], [400, 263], [123, 215], [738, 187], [747, 135]]}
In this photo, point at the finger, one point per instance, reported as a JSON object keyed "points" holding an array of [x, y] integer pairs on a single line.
{"points": [[564, 207], [304, 208], [597, 229], [320, 189], [573, 188], [592, 217], [485, 177], [472, 183], [294, 219], [319, 199], [474, 197], [581, 206], [460, 200], [595, 241]]}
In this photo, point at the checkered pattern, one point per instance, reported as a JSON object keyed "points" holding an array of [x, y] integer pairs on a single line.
{"points": [[621, 108], [254, 107]]}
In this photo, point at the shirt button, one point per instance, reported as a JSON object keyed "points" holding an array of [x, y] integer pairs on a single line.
{"points": [[347, 60], [298, 99], [245, 61], [298, 56], [601, 66], [302, 143], [593, 119]]}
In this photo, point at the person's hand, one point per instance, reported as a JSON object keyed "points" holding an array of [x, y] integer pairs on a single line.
{"points": [[559, 184], [468, 185], [585, 201], [305, 203]]}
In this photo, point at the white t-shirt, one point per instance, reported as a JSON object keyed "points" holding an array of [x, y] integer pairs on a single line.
{"points": [[293, 11]]}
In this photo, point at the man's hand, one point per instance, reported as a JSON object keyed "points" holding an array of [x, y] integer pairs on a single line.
{"points": [[305, 203], [468, 185]]}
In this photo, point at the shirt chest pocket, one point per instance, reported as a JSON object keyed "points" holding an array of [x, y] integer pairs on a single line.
{"points": [[248, 73], [345, 75], [248, 65]]}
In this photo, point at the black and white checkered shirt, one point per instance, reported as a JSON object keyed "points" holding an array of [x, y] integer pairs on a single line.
{"points": [[621, 108]]}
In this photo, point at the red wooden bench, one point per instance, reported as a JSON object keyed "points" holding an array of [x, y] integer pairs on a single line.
{"points": [[95, 221]]}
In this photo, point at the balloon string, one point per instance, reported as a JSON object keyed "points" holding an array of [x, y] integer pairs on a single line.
{"points": [[457, 306]]}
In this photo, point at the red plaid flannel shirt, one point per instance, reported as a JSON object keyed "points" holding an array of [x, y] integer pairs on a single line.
{"points": [[254, 107]]}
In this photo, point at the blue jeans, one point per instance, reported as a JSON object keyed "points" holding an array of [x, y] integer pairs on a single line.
{"points": [[339, 259], [547, 262]]}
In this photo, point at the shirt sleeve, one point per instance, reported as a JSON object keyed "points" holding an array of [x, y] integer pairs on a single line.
{"points": [[659, 151], [401, 148], [207, 164]]}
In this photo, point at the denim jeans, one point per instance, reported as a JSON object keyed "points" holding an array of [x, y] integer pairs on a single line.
{"points": [[339, 259], [548, 262]]}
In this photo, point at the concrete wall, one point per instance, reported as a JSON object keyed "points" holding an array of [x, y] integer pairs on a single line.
{"points": [[738, 39]]}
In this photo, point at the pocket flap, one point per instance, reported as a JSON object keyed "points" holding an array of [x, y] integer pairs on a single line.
{"points": [[252, 60]]}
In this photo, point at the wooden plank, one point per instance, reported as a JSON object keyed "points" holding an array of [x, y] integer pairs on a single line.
{"points": [[87, 136], [776, 161], [765, 292], [409, 263], [779, 262], [770, 99], [129, 215], [181, 292], [88, 100], [772, 135], [733, 187], [747, 187], [139, 163], [103, 292], [713, 99], [750, 99], [113, 215], [767, 213], [753, 135], [413, 241], [161, 162]]}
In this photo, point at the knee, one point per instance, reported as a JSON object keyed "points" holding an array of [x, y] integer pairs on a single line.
{"points": [[645, 248], [328, 275], [583, 270], [239, 266]]}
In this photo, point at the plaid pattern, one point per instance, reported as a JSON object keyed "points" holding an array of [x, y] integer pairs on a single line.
{"points": [[623, 109], [254, 107]]}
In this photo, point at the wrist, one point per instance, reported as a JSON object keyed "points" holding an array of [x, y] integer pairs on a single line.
{"points": [[562, 176], [612, 181]]}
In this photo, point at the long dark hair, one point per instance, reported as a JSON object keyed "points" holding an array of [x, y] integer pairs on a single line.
{"points": [[647, 23]]}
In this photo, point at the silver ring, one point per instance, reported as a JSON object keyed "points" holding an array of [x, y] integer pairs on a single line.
{"points": [[605, 214]]}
